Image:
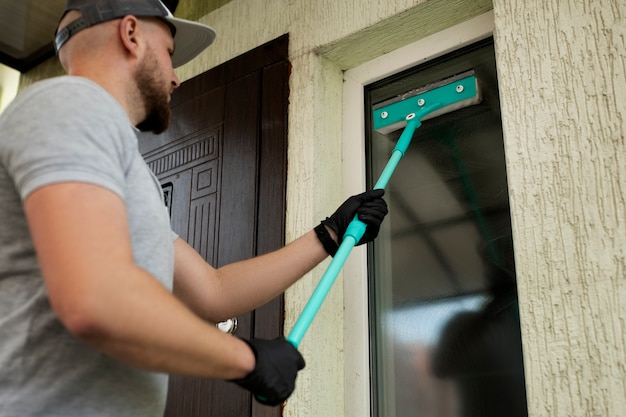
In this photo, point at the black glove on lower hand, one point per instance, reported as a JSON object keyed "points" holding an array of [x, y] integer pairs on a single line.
{"points": [[274, 376], [369, 206]]}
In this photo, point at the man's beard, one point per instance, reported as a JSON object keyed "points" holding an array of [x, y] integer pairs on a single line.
{"points": [[155, 99]]}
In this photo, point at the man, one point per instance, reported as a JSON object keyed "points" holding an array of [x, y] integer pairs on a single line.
{"points": [[88, 321]]}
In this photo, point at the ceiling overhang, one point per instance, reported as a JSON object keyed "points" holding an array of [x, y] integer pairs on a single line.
{"points": [[26, 31]]}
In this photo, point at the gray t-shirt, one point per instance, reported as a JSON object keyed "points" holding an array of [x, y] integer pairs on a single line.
{"points": [[70, 129]]}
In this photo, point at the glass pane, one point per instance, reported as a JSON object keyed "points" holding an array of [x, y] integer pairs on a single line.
{"points": [[445, 323]]}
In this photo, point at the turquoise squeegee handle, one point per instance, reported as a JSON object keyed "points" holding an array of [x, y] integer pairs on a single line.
{"points": [[455, 90], [353, 234]]}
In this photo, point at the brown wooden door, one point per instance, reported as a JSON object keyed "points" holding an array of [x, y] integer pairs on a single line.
{"points": [[222, 165]]}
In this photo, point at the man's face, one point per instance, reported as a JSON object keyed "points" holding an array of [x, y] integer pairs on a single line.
{"points": [[155, 92], [156, 79]]}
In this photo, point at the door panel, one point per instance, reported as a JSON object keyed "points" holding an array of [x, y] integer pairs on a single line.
{"points": [[240, 155], [222, 164], [190, 167]]}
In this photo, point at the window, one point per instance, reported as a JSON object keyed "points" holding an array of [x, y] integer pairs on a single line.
{"points": [[444, 323]]}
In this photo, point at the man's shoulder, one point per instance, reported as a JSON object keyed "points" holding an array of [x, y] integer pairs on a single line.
{"points": [[63, 86], [65, 97]]}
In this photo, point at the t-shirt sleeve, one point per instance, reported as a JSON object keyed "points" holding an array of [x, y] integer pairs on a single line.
{"points": [[66, 132]]}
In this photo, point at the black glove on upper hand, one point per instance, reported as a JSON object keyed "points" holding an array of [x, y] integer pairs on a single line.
{"points": [[274, 377], [369, 206]]}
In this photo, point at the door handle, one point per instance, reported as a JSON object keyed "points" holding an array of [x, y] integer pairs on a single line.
{"points": [[228, 326]]}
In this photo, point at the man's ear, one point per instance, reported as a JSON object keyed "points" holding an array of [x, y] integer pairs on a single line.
{"points": [[129, 35]]}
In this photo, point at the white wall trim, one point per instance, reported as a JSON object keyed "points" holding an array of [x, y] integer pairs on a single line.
{"points": [[356, 332]]}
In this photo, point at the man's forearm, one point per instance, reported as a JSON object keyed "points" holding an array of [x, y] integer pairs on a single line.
{"points": [[218, 294]]}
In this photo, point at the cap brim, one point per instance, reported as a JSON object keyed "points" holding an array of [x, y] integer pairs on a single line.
{"points": [[191, 38]]}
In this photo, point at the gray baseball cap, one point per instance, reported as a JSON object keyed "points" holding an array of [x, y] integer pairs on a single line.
{"points": [[190, 37]]}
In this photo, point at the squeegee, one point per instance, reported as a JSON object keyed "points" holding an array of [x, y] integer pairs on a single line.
{"points": [[406, 111]]}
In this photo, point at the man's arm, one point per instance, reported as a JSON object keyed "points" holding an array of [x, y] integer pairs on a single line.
{"points": [[217, 294], [80, 233]]}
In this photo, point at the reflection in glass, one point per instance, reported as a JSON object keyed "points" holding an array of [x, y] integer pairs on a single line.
{"points": [[445, 322]]}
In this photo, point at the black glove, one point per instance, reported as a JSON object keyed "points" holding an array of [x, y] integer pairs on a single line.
{"points": [[371, 209], [274, 377]]}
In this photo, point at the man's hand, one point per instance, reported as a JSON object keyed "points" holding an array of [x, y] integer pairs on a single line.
{"points": [[370, 208], [274, 377]]}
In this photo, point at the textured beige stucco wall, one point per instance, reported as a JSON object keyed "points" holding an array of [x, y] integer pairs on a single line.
{"points": [[562, 74]]}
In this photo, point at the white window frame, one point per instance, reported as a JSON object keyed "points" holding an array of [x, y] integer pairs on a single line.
{"points": [[356, 319]]}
